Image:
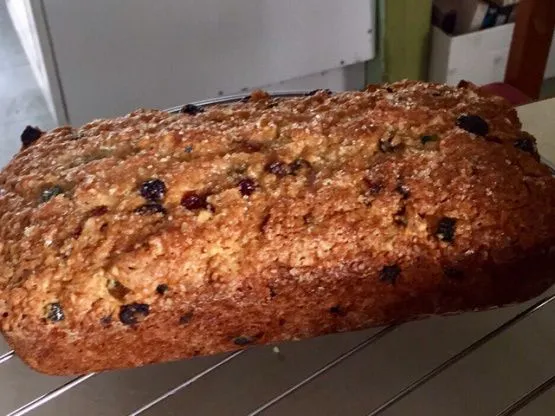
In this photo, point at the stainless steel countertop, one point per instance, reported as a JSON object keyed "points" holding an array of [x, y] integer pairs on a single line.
{"points": [[483, 382]]}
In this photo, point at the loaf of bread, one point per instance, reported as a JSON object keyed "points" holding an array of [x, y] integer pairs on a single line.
{"points": [[158, 236]]}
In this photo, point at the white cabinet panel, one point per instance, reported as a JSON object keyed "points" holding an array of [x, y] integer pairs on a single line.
{"points": [[115, 56], [350, 77]]}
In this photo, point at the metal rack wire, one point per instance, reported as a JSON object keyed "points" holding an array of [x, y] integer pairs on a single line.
{"points": [[511, 408]]}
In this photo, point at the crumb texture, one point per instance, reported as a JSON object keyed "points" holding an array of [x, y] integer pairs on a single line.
{"points": [[159, 236]]}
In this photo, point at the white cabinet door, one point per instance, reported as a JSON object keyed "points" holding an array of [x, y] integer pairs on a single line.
{"points": [[115, 56]]}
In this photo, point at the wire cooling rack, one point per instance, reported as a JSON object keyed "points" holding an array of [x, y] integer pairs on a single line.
{"points": [[527, 398]]}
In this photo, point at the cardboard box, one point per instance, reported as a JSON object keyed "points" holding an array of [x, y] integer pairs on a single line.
{"points": [[479, 57]]}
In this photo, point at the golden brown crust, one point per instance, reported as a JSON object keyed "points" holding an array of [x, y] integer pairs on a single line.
{"points": [[154, 236]]}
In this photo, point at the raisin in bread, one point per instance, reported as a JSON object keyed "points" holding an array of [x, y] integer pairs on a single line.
{"points": [[159, 236]]}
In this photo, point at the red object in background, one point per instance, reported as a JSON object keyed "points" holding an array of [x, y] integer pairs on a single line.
{"points": [[510, 93], [532, 36]]}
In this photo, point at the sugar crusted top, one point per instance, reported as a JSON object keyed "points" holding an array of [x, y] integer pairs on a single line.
{"points": [[100, 222]]}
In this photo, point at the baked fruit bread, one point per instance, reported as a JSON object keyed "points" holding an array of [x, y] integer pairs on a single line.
{"points": [[159, 236]]}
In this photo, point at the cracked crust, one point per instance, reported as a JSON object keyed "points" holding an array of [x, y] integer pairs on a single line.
{"points": [[278, 219]]}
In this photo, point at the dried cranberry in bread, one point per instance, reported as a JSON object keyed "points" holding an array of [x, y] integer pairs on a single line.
{"points": [[158, 236]]}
